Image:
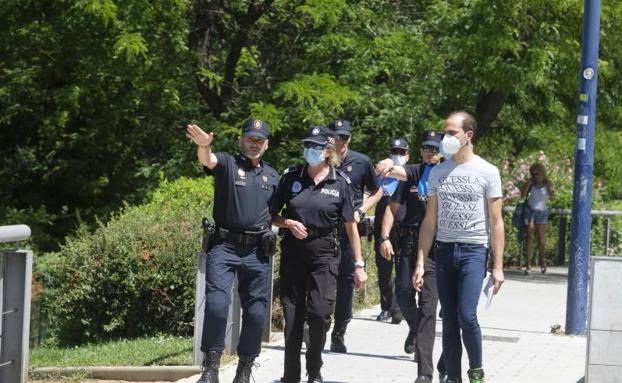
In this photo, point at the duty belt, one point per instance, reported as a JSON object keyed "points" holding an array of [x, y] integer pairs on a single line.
{"points": [[237, 237], [314, 232]]}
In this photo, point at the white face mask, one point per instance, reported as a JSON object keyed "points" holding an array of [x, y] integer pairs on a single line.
{"points": [[398, 160], [450, 145]]}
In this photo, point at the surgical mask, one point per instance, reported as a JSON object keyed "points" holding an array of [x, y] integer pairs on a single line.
{"points": [[314, 156], [450, 146], [398, 160]]}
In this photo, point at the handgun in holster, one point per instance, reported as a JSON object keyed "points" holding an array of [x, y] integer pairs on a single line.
{"points": [[268, 243], [209, 233]]}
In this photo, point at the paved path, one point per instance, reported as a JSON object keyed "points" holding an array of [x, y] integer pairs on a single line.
{"points": [[518, 344]]}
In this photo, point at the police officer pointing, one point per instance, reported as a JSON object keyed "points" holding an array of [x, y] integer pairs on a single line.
{"points": [[420, 315], [318, 200], [243, 188]]}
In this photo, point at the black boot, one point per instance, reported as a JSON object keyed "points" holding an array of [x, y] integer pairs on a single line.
{"points": [[243, 372], [409, 343], [315, 378], [337, 344], [209, 368], [397, 317]]}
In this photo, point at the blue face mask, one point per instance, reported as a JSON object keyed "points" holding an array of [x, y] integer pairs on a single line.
{"points": [[314, 156]]}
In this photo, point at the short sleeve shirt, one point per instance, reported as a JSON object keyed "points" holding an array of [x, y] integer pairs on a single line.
{"points": [[320, 206], [389, 187], [242, 192], [359, 168], [463, 191], [413, 193]]}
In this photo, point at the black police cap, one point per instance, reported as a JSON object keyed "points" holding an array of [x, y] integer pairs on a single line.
{"points": [[341, 127], [399, 143], [256, 128], [320, 135], [432, 138]]}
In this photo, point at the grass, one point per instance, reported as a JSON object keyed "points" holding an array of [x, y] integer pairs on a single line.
{"points": [[156, 351]]}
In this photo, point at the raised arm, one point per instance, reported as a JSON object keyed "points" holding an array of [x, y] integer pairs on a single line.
{"points": [[204, 142]]}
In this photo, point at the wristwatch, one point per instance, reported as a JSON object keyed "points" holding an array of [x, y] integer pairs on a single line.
{"points": [[360, 264], [384, 238], [361, 213]]}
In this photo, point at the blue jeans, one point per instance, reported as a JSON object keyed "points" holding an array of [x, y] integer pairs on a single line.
{"points": [[460, 268]]}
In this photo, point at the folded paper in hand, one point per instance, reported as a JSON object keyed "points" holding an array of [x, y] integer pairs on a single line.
{"points": [[488, 287]]}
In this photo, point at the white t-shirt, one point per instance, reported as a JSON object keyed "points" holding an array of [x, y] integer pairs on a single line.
{"points": [[538, 196], [462, 191]]}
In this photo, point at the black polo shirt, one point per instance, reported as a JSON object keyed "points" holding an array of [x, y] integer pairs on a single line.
{"points": [[242, 192], [407, 193], [320, 206], [359, 168]]}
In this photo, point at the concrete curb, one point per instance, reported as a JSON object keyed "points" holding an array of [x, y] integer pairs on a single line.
{"points": [[131, 374]]}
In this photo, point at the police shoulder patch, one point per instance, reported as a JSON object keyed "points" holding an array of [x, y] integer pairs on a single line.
{"points": [[344, 175]]}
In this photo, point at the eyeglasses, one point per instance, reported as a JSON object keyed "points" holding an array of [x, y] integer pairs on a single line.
{"points": [[343, 137], [313, 145], [430, 148], [399, 152]]}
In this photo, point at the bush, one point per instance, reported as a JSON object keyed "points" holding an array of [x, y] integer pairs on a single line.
{"points": [[134, 276]]}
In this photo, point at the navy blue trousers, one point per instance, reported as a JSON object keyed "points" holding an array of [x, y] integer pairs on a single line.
{"points": [[224, 261], [418, 308]]}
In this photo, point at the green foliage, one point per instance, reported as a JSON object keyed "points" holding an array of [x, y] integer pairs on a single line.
{"points": [[133, 276], [92, 90]]}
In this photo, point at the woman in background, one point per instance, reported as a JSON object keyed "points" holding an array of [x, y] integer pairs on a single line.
{"points": [[539, 190]]}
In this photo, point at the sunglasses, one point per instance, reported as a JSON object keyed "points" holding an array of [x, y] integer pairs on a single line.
{"points": [[313, 145], [343, 137], [399, 152], [430, 148]]}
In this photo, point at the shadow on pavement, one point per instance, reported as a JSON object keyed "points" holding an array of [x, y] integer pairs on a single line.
{"points": [[536, 277]]}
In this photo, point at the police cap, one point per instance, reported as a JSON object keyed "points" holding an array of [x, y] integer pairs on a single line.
{"points": [[399, 143], [256, 128], [341, 127], [432, 138], [320, 135]]}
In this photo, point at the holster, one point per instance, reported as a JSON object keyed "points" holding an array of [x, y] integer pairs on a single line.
{"points": [[268, 243], [209, 232], [365, 229]]}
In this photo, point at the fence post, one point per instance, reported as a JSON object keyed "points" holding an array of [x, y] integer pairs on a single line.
{"points": [[267, 330], [199, 309], [606, 234], [16, 281]]}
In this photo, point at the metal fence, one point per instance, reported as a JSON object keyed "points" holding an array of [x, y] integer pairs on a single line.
{"points": [[603, 231], [15, 288]]}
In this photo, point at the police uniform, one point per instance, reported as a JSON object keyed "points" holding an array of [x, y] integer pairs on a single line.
{"points": [[388, 305], [360, 169], [308, 270], [419, 309], [242, 196]]}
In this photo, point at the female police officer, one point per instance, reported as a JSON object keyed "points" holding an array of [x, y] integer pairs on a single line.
{"points": [[317, 199]]}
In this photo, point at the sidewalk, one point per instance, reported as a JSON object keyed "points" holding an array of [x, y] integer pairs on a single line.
{"points": [[518, 345]]}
